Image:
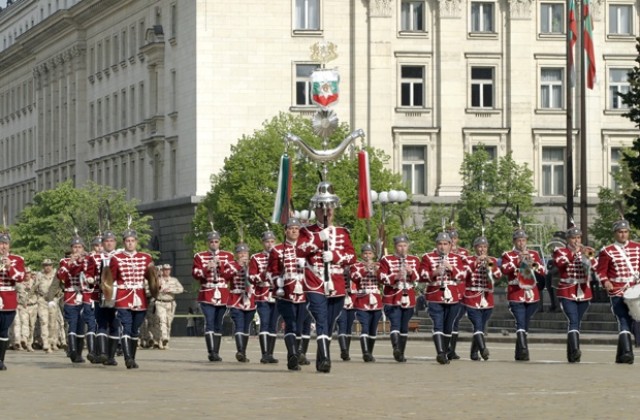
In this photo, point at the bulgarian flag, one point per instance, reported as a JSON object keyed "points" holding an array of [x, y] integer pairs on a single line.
{"points": [[572, 37], [281, 206], [587, 41], [365, 207]]}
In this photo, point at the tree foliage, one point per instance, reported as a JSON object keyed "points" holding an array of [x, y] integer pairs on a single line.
{"points": [[45, 227], [241, 199]]}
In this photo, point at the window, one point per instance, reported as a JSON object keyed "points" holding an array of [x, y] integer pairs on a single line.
{"points": [[481, 16], [482, 87], [303, 83], [618, 84], [412, 16], [174, 20], [414, 169], [620, 19], [552, 18], [553, 171], [307, 15], [492, 151], [616, 157], [551, 88], [412, 86]]}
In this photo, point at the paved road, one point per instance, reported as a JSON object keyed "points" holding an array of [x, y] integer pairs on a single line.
{"points": [[180, 383]]}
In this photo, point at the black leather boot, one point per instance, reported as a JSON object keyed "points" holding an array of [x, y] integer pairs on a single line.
{"points": [[522, 348], [72, 347], [372, 344], [271, 347], [91, 348], [402, 345], [215, 355], [292, 352], [474, 350], [241, 356], [4, 344], [481, 345], [208, 339], [126, 344], [79, 347], [451, 352], [345, 343], [395, 344], [264, 346], [364, 345], [323, 362], [102, 348], [573, 347], [134, 349], [303, 347], [111, 352], [441, 353], [625, 349]]}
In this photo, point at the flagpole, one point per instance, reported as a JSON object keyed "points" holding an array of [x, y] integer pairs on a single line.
{"points": [[583, 129], [569, 146]]}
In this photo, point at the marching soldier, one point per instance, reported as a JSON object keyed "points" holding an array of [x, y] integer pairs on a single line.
{"points": [[214, 293], [455, 249], [264, 298], [574, 263], [73, 272], [619, 271], [129, 269], [327, 250], [166, 305], [367, 300], [443, 270], [47, 310], [108, 333], [522, 267], [89, 303], [28, 304], [241, 300], [399, 273], [11, 272], [286, 271], [478, 294]]}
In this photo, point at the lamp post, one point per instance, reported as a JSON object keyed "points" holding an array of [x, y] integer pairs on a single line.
{"points": [[388, 197]]}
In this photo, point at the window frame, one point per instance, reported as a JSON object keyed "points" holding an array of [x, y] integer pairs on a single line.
{"points": [[553, 164], [413, 164], [481, 84], [542, 84], [412, 82], [482, 29], [611, 97], [412, 30], [299, 79], [304, 28], [549, 17], [610, 31]]}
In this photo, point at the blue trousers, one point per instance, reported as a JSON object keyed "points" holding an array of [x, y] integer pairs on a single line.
{"points": [[106, 321], [6, 319], [398, 318], [621, 312], [325, 311], [89, 317], [574, 311], [443, 316], [522, 313], [130, 321], [304, 321], [242, 319], [369, 321], [345, 321], [268, 313], [213, 316], [295, 316], [73, 317], [456, 322], [479, 318]]}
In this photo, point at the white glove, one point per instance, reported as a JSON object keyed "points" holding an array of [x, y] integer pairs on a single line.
{"points": [[302, 262], [90, 281], [51, 304], [325, 234], [327, 256]]}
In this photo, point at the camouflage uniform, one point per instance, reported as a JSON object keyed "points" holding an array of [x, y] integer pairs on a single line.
{"points": [[47, 310], [28, 310], [166, 306]]}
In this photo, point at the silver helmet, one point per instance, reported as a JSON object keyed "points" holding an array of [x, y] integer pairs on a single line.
{"points": [[324, 197]]}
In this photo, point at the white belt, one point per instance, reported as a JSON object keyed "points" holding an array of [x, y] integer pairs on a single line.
{"points": [[7, 289], [71, 289], [623, 280], [573, 281], [264, 284], [130, 287], [209, 286], [318, 272], [479, 289], [513, 283], [368, 292], [237, 291]]}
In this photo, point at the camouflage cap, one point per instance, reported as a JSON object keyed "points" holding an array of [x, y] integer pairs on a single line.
{"points": [[47, 261]]}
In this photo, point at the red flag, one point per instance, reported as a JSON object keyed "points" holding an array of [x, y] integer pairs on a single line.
{"points": [[572, 38], [587, 41], [365, 207]]}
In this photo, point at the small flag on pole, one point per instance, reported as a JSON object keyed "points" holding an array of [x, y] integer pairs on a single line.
{"points": [[572, 38], [281, 206], [365, 207], [587, 41]]}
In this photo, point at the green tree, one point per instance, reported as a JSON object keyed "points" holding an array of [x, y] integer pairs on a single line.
{"points": [[632, 158], [45, 227], [242, 195]]}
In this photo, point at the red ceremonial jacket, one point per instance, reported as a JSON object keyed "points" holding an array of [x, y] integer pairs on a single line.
{"points": [[241, 294], [619, 264], [213, 287], [521, 287], [258, 274], [399, 291], [11, 274], [443, 288], [78, 280], [128, 270], [574, 278], [478, 292], [366, 283], [286, 272]]}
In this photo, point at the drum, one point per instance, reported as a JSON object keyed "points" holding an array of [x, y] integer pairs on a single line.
{"points": [[632, 299]]}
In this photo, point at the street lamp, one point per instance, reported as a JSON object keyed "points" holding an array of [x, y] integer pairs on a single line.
{"points": [[388, 197]]}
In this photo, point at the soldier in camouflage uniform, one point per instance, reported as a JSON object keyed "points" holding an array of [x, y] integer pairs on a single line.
{"points": [[166, 306]]}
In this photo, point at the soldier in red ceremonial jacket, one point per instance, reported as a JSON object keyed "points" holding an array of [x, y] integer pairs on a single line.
{"points": [[241, 301], [75, 272], [443, 270], [89, 299], [265, 301], [108, 333], [574, 263], [286, 271], [619, 272], [214, 293], [522, 267], [11, 272], [129, 269], [367, 300], [327, 250], [399, 273], [455, 249], [478, 294]]}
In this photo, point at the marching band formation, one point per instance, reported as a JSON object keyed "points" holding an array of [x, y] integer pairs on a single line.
{"points": [[315, 275]]}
